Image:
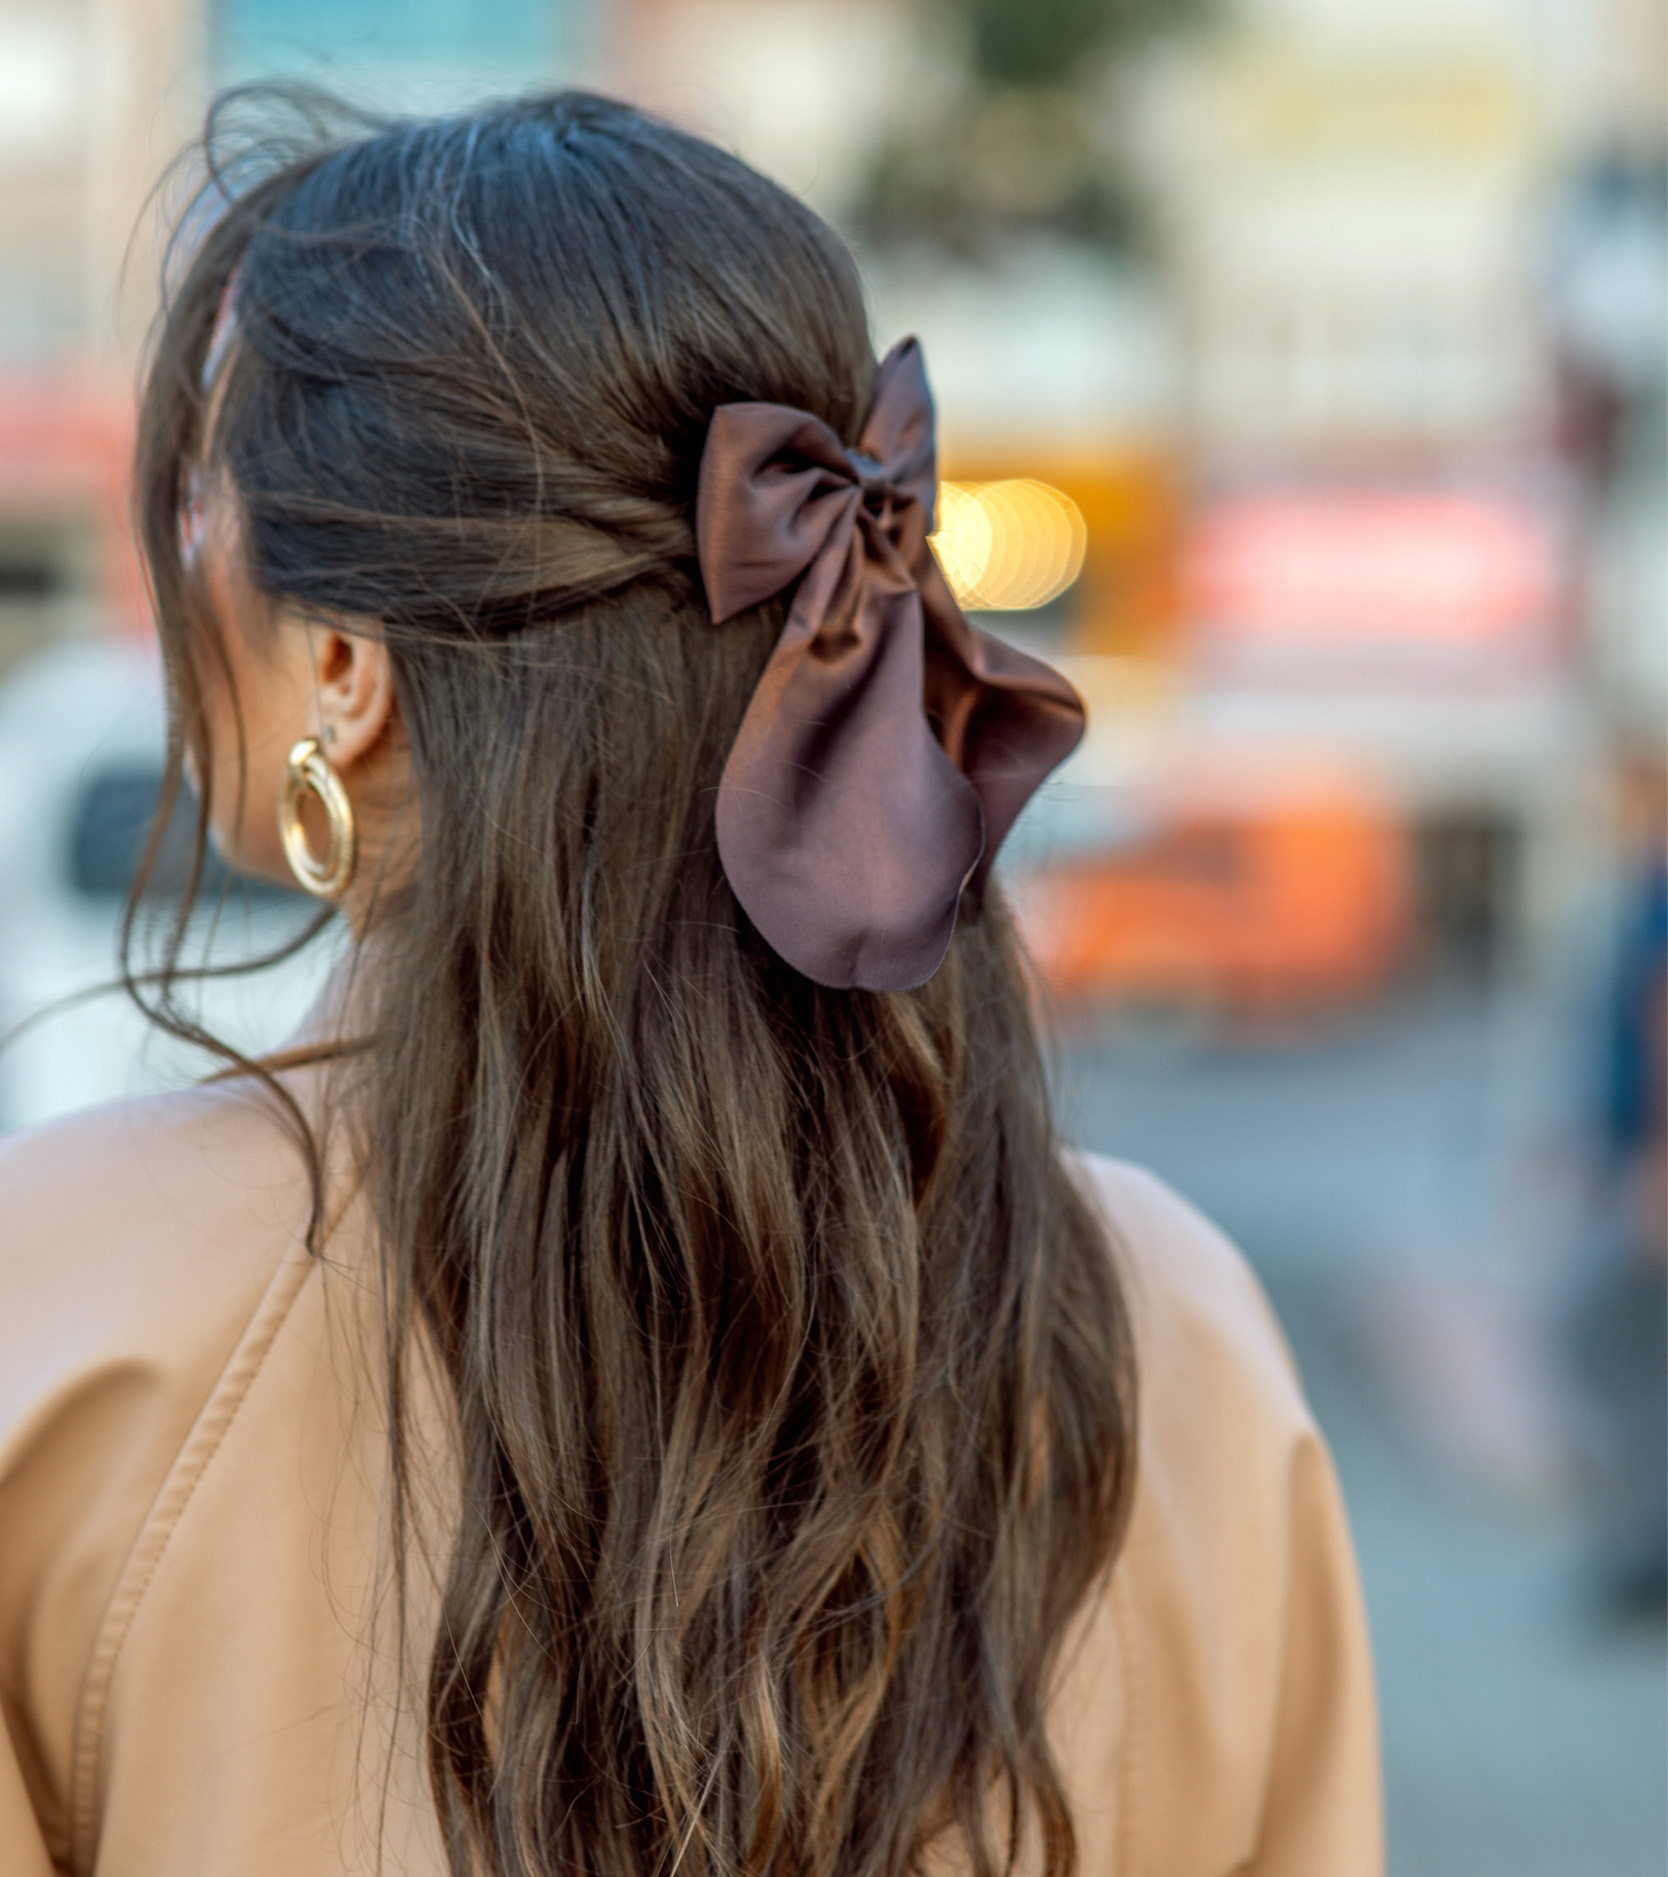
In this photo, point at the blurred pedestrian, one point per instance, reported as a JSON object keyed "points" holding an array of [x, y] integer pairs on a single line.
{"points": [[1622, 1319]]}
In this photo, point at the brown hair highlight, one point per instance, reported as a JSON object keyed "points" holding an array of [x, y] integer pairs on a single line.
{"points": [[791, 1377]]}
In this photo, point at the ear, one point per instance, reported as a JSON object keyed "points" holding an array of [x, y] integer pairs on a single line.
{"points": [[353, 683]]}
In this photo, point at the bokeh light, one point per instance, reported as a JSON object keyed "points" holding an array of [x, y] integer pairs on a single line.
{"points": [[1008, 546]]}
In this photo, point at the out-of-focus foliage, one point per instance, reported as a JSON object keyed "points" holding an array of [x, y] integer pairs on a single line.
{"points": [[1021, 147], [1000, 163], [1044, 42]]}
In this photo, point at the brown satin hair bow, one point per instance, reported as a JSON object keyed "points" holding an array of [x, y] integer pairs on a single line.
{"points": [[889, 746]]}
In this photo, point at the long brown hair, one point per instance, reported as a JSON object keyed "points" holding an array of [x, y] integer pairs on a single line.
{"points": [[791, 1376]]}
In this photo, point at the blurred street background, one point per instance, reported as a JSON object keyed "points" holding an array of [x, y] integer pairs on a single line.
{"points": [[1301, 371]]}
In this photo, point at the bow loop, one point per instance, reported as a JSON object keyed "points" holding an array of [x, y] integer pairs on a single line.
{"points": [[888, 747]]}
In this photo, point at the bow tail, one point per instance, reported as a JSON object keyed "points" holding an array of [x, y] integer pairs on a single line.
{"points": [[1005, 719], [845, 829]]}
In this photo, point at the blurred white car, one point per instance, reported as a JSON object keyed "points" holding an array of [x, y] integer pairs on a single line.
{"points": [[81, 753]]}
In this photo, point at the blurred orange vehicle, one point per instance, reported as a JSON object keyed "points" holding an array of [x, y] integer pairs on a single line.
{"points": [[1295, 896]]}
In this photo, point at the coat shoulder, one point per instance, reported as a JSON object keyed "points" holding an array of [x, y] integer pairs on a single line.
{"points": [[1197, 1305], [141, 1218]]}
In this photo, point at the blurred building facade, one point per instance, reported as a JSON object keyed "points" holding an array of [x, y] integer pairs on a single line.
{"points": [[1392, 547]]}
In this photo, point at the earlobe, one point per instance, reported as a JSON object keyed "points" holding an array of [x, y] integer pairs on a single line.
{"points": [[355, 688]]}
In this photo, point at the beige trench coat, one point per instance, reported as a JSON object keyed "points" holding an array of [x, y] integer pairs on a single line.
{"points": [[190, 1515]]}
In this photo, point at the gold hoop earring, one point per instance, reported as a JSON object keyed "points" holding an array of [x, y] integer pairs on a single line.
{"points": [[307, 771]]}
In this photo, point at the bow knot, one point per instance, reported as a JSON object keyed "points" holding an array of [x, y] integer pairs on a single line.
{"points": [[889, 746], [871, 476]]}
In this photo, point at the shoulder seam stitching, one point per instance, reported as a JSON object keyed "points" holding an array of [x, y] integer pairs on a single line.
{"points": [[150, 1544]]}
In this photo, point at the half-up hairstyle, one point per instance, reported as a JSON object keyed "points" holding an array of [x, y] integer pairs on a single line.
{"points": [[791, 1377]]}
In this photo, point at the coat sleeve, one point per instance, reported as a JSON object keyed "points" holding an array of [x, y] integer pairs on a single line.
{"points": [[1322, 1808]]}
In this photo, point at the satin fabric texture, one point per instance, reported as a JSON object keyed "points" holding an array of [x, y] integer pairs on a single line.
{"points": [[889, 746]]}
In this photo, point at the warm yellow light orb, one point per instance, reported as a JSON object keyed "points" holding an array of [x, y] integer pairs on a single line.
{"points": [[1008, 546]]}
